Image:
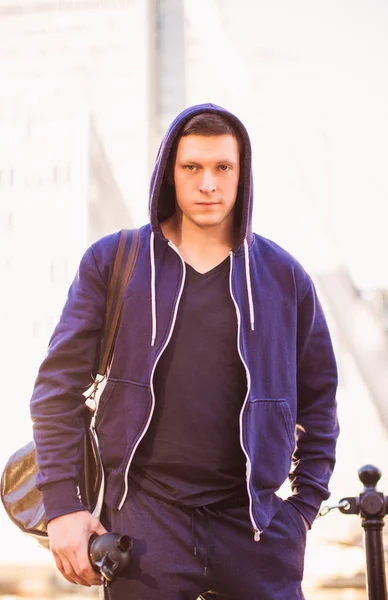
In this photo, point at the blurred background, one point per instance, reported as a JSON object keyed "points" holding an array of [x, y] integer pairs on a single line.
{"points": [[87, 90]]}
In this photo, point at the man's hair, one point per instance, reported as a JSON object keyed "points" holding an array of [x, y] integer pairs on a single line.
{"points": [[209, 124]]}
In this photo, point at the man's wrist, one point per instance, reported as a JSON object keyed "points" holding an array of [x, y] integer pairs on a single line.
{"points": [[305, 521], [61, 498]]}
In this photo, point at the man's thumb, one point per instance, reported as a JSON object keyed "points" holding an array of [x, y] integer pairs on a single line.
{"points": [[100, 529]]}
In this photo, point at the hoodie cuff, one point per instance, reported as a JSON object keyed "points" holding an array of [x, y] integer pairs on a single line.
{"points": [[61, 498], [306, 509]]}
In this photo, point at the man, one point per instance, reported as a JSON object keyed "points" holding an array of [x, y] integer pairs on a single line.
{"points": [[223, 374]]}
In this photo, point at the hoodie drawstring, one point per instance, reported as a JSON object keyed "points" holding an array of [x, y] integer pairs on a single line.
{"points": [[249, 286], [153, 290], [201, 513], [208, 535], [193, 532]]}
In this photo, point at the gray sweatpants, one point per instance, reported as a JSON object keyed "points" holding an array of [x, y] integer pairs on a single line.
{"points": [[180, 553]]}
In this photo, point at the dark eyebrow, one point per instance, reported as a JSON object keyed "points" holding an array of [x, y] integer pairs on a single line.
{"points": [[191, 162], [219, 162], [227, 161]]}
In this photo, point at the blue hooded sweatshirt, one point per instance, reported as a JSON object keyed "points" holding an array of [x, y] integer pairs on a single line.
{"points": [[288, 422]]}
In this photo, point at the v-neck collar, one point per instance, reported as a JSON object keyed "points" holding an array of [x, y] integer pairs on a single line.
{"points": [[195, 275]]}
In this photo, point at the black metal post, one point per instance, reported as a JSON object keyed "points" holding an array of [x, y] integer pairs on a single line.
{"points": [[371, 505], [375, 566]]}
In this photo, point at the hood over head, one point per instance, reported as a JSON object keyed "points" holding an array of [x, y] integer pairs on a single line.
{"points": [[162, 194]]}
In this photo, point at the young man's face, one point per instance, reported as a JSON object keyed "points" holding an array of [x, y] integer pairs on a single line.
{"points": [[206, 176]]}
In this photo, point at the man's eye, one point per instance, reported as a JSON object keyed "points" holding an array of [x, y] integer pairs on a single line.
{"points": [[224, 167], [189, 167]]}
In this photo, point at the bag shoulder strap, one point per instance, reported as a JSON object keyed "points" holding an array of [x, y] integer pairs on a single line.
{"points": [[124, 264]]}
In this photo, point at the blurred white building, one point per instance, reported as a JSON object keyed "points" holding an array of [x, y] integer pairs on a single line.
{"points": [[75, 145], [88, 88], [75, 149]]}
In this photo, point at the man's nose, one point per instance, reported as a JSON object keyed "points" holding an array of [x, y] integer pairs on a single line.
{"points": [[208, 183]]}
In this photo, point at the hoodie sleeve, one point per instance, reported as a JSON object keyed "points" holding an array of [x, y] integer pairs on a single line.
{"points": [[317, 426], [57, 404]]}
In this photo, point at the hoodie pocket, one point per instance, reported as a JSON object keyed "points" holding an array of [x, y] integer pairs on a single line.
{"points": [[121, 418], [297, 519], [270, 440]]}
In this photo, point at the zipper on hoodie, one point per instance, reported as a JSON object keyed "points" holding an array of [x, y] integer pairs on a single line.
{"points": [[256, 530], [146, 426]]}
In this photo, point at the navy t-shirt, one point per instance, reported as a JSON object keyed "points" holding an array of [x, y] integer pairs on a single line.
{"points": [[191, 454]]}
